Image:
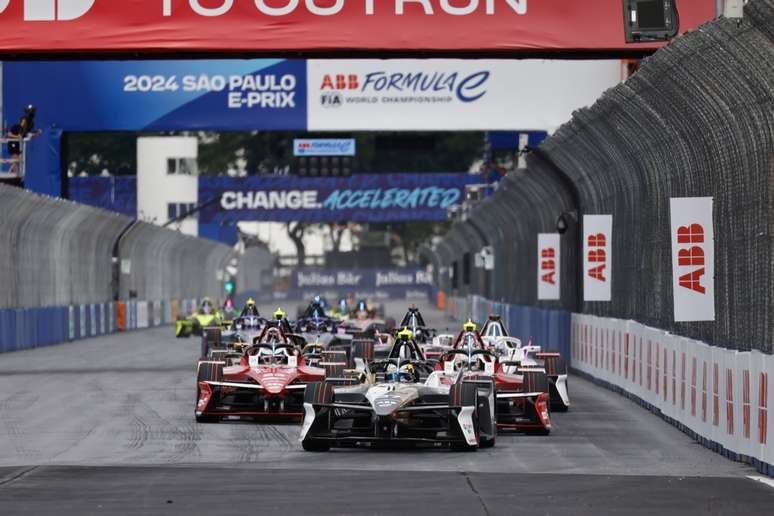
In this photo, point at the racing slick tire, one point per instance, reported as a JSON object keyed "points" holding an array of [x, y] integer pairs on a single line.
{"points": [[317, 393], [210, 339], [208, 371], [362, 349], [390, 324], [465, 395], [487, 420]]}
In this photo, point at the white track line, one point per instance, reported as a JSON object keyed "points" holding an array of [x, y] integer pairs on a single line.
{"points": [[764, 480]]}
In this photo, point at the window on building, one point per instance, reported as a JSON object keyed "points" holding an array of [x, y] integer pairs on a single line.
{"points": [[178, 209], [181, 167]]}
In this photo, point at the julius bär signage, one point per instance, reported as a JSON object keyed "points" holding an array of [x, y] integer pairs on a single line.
{"points": [[693, 259], [319, 25], [597, 257]]}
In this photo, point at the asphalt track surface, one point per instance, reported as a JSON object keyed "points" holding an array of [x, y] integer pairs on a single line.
{"points": [[105, 426]]}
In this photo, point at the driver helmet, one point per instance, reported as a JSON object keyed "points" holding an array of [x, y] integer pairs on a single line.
{"points": [[469, 326], [405, 334], [229, 305], [250, 308], [408, 374], [279, 315], [206, 307]]}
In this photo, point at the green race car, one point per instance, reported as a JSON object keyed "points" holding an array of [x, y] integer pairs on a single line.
{"points": [[206, 316]]}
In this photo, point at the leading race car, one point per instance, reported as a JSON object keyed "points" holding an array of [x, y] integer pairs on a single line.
{"points": [[269, 380], [522, 395], [206, 316], [394, 406], [495, 335]]}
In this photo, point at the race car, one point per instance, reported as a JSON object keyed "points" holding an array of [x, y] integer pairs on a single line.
{"points": [[522, 395], [414, 321], [395, 407], [268, 381], [319, 331], [495, 335], [364, 326], [206, 316]]}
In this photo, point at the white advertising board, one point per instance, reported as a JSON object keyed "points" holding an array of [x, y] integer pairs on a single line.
{"points": [[452, 94], [549, 267], [693, 259], [597, 257]]}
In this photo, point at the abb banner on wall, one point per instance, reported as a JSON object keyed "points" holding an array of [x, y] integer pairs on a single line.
{"points": [[59, 26], [549, 267], [597, 257], [693, 259], [447, 94]]}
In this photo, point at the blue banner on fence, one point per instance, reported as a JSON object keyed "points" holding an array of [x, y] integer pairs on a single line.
{"points": [[257, 94], [115, 193], [362, 198]]}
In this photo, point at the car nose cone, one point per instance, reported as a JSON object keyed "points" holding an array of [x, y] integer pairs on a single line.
{"points": [[386, 405]]}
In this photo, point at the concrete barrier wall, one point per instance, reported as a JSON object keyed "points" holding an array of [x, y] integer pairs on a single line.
{"points": [[718, 396], [28, 328]]}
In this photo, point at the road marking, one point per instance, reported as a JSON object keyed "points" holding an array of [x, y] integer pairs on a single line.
{"points": [[764, 480]]}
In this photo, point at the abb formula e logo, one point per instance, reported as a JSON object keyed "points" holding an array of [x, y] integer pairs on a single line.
{"points": [[51, 10]]}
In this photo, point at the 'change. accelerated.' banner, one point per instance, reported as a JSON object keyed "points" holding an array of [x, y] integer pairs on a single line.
{"points": [[362, 198]]}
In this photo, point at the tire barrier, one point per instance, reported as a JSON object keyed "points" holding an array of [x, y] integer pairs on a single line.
{"points": [[718, 396]]}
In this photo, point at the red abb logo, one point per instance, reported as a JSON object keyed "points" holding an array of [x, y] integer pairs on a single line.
{"points": [[340, 82], [691, 255], [548, 265], [597, 255], [52, 10]]}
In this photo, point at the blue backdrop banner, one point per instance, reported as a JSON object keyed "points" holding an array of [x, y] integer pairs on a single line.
{"points": [[114, 193], [361, 198], [185, 95]]}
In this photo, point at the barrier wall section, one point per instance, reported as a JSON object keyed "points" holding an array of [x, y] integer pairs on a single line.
{"points": [[697, 120], [57, 271]]}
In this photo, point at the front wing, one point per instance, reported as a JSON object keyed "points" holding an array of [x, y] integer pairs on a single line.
{"points": [[351, 424], [218, 399]]}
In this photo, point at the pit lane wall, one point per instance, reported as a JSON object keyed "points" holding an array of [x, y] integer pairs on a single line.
{"points": [[69, 271], [716, 395]]}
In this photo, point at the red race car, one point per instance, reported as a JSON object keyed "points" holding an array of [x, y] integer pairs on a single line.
{"points": [[522, 396], [269, 381]]}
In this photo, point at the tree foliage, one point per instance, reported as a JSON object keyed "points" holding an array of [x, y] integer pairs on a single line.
{"points": [[261, 153]]}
